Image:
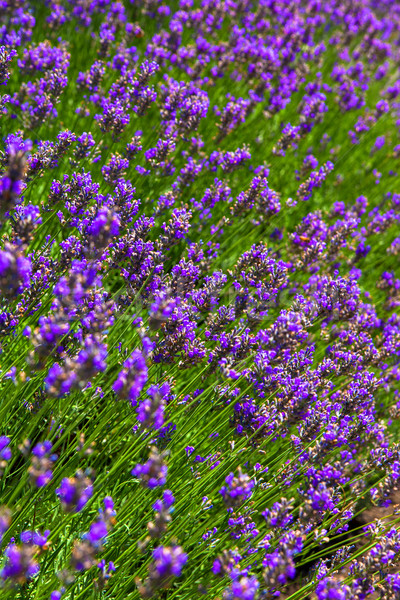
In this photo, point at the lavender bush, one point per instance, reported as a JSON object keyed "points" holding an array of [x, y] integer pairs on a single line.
{"points": [[200, 291]]}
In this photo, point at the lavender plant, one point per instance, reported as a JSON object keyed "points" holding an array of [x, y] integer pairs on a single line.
{"points": [[200, 291]]}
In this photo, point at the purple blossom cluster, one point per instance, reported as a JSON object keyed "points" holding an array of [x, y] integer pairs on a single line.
{"points": [[199, 282]]}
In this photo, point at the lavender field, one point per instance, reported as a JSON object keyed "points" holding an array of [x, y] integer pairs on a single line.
{"points": [[200, 292]]}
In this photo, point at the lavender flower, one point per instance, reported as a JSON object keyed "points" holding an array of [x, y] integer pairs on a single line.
{"points": [[41, 468], [238, 489], [244, 588], [132, 379], [84, 552], [74, 492], [152, 473], [168, 562], [15, 271], [150, 411], [331, 589], [21, 564]]}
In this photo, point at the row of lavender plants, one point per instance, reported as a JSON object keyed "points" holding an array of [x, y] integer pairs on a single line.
{"points": [[199, 288]]}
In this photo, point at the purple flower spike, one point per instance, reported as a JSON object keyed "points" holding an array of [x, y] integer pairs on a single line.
{"points": [[168, 562], [237, 490], [132, 379], [74, 492], [152, 473]]}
